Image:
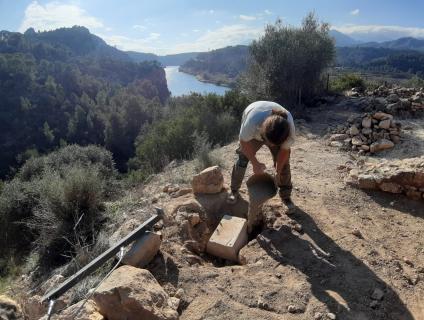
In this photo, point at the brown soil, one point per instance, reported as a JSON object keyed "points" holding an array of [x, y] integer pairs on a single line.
{"points": [[340, 246]]}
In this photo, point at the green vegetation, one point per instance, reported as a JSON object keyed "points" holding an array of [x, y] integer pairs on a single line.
{"points": [[415, 82], [62, 86], [221, 66], [347, 81], [172, 137], [287, 62], [403, 63], [56, 203]]}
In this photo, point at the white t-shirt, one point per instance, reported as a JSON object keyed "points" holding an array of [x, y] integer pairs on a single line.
{"points": [[253, 117]]}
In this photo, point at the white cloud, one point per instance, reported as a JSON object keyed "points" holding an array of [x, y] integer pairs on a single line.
{"points": [[148, 44], [53, 15], [211, 39], [354, 12], [380, 32], [153, 36], [267, 12], [219, 38], [196, 30], [247, 18], [139, 27]]}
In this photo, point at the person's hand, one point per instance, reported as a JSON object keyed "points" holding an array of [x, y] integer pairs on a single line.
{"points": [[258, 168]]}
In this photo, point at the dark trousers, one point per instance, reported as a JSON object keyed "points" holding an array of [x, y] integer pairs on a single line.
{"points": [[283, 178]]}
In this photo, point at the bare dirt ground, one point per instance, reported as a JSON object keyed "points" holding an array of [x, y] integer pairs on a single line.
{"points": [[326, 267]]}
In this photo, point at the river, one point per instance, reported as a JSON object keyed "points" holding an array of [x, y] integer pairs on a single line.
{"points": [[180, 83]]}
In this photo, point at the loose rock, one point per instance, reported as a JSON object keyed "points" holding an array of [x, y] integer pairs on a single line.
{"points": [[209, 180], [132, 293]]}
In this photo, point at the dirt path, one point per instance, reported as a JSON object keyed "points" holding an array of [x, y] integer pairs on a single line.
{"points": [[358, 255]]}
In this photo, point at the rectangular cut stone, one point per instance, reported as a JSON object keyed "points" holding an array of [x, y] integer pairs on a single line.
{"points": [[228, 238]]}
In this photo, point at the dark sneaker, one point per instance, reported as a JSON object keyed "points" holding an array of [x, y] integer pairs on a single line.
{"points": [[233, 197], [291, 207]]}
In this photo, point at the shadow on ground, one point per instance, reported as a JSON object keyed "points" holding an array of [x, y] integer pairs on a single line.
{"points": [[338, 279], [398, 201]]}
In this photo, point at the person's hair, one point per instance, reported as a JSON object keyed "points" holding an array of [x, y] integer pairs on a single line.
{"points": [[276, 128]]}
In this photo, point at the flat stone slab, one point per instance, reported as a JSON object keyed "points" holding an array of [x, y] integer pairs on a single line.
{"points": [[228, 238]]}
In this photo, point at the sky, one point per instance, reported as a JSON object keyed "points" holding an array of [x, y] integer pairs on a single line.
{"points": [[175, 26]]}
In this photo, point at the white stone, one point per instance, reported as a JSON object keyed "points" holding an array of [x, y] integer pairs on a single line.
{"points": [[353, 130], [366, 122], [357, 141], [228, 238], [384, 124]]}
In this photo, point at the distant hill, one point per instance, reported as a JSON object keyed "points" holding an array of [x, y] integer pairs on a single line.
{"points": [[166, 60], [68, 86], [410, 62], [221, 66], [343, 40], [76, 41], [407, 43]]}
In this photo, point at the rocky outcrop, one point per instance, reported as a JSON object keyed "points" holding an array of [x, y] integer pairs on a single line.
{"points": [[399, 177], [131, 293], [209, 180], [370, 133]]}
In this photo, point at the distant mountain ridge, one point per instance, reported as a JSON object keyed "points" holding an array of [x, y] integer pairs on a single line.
{"points": [[66, 42], [407, 43]]}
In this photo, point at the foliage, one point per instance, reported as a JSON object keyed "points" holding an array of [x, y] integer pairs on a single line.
{"points": [[226, 64], [415, 82], [68, 86], [202, 152], [287, 62], [56, 200], [347, 81], [216, 117], [383, 60]]}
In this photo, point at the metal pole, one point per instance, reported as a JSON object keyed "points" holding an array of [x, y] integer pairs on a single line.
{"points": [[96, 263]]}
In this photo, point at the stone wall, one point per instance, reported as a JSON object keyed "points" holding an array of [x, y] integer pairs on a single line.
{"points": [[369, 133], [398, 177]]}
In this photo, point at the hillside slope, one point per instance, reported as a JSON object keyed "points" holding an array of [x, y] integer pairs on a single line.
{"points": [[321, 267]]}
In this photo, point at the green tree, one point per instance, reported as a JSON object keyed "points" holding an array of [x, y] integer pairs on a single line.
{"points": [[287, 62]]}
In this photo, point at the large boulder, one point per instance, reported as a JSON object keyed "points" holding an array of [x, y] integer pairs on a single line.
{"points": [[209, 180], [131, 293]]}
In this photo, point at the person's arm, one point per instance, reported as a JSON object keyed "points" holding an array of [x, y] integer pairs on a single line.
{"points": [[282, 158], [249, 149]]}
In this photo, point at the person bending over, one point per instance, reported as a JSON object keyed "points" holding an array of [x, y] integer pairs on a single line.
{"points": [[265, 123]]}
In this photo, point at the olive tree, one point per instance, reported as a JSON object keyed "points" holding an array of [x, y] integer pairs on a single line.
{"points": [[286, 63]]}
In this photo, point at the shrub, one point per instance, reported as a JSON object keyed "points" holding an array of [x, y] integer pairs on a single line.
{"points": [[288, 62], [415, 82], [202, 152], [172, 137], [56, 200], [348, 81]]}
